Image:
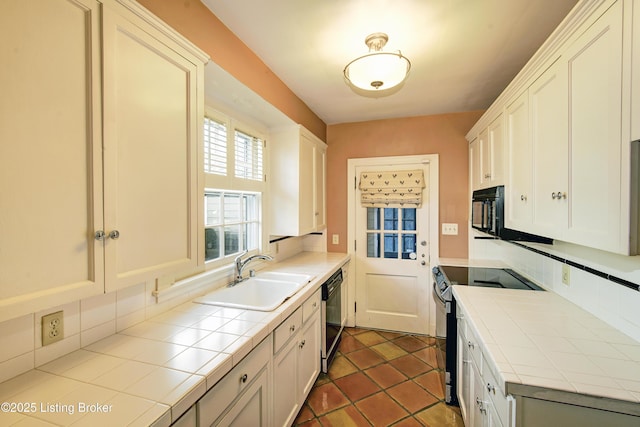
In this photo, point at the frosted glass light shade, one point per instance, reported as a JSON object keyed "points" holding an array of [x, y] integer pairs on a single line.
{"points": [[377, 70]]}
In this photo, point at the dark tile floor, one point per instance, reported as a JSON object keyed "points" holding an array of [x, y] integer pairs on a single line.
{"points": [[380, 378]]}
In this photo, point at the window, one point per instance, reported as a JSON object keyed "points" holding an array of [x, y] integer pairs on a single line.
{"points": [[391, 233], [215, 147], [232, 223], [248, 156], [234, 158]]}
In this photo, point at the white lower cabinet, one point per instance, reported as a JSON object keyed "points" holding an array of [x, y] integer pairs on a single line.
{"points": [[243, 389], [268, 386], [482, 403], [296, 363]]}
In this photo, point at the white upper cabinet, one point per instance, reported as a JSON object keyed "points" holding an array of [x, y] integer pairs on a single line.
{"points": [[518, 211], [298, 170], [50, 154], [493, 154], [487, 156], [635, 76], [474, 164], [153, 106], [569, 132], [548, 131], [597, 208], [93, 84]]}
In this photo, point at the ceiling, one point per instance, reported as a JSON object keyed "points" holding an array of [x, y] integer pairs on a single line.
{"points": [[463, 52]]}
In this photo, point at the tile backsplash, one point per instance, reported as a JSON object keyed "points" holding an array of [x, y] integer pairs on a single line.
{"points": [[611, 302], [92, 319]]}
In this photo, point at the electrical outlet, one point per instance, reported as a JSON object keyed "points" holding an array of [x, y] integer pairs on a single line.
{"points": [[335, 239], [566, 275], [450, 229], [52, 327]]}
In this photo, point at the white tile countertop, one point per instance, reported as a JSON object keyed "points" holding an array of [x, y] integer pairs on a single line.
{"points": [[541, 345], [151, 373]]}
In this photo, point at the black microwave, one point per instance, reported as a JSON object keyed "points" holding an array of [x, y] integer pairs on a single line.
{"points": [[487, 215]]}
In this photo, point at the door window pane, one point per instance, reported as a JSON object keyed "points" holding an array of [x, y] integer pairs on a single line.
{"points": [[390, 218], [408, 246], [212, 243], [409, 219], [232, 209], [212, 209], [231, 239], [373, 218], [373, 245], [390, 245]]}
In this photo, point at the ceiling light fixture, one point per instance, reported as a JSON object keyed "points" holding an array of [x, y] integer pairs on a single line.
{"points": [[377, 70]]}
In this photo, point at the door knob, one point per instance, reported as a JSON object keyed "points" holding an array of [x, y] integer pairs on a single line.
{"points": [[114, 234], [100, 235]]}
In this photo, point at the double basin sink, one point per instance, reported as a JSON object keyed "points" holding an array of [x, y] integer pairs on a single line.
{"points": [[264, 292]]}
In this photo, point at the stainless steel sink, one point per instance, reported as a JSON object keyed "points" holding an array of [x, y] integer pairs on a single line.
{"points": [[265, 292]]}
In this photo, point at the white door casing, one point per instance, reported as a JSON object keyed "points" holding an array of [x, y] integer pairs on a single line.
{"points": [[393, 293]]}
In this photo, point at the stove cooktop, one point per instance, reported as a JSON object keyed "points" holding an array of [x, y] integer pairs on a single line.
{"points": [[488, 278]]}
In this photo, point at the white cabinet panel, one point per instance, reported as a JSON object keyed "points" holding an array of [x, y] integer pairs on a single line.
{"points": [[474, 163], [548, 127], [50, 153], [151, 138], [635, 74], [518, 210], [298, 171], [596, 205]]}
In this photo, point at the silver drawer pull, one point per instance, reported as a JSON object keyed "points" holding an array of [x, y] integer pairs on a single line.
{"points": [[114, 235], [100, 235], [471, 345], [315, 304], [244, 378], [302, 343], [491, 388], [292, 328]]}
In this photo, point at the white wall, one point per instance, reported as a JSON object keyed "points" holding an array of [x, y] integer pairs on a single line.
{"points": [[615, 304]]}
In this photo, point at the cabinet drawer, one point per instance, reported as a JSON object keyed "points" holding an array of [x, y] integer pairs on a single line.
{"points": [[499, 400], [216, 400], [287, 329], [474, 347], [311, 305]]}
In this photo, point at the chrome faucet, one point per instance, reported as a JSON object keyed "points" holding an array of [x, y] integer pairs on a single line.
{"points": [[240, 264]]}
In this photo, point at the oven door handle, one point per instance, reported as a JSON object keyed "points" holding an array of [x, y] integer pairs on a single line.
{"points": [[437, 294]]}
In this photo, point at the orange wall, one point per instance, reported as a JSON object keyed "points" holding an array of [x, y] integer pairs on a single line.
{"points": [[439, 134], [192, 19]]}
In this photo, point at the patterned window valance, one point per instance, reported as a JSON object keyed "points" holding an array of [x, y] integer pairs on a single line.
{"points": [[392, 188]]}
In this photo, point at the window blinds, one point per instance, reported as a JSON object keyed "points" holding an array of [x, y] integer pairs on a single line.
{"points": [[392, 188]]}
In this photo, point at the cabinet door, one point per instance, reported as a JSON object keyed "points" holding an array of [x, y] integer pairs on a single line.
{"points": [[50, 154], [548, 106], [485, 159], [307, 183], [309, 355], [495, 139], [251, 409], [286, 401], [594, 64], [478, 405], [518, 191], [474, 160], [151, 132], [319, 180], [463, 365], [635, 76]]}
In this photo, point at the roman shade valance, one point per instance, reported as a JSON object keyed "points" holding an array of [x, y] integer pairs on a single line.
{"points": [[392, 188]]}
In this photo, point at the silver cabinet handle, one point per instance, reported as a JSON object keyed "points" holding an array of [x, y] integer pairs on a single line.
{"points": [[471, 345], [559, 195], [114, 234], [244, 378], [292, 328], [491, 388], [553, 196], [100, 235], [523, 197], [302, 343], [315, 304]]}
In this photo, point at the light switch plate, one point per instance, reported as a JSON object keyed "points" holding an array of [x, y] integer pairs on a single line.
{"points": [[335, 239], [450, 229]]}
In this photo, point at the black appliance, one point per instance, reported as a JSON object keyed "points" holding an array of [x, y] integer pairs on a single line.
{"points": [[444, 277], [487, 215], [331, 318]]}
